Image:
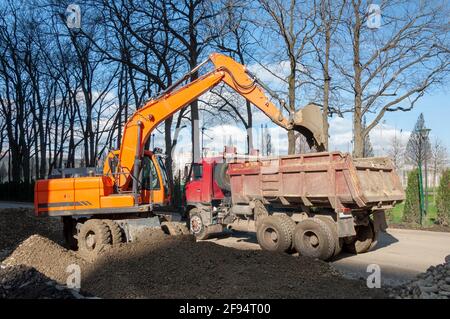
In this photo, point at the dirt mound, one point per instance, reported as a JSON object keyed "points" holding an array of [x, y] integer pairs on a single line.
{"points": [[22, 282], [45, 256], [161, 266], [17, 224], [171, 268]]}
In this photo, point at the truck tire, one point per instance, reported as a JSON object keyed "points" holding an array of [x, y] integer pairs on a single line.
{"points": [[197, 225], [274, 234], [338, 242], [93, 237], [362, 241], [259, 212], [116, 232], [290, 223], [69, 232], [313, 238]]}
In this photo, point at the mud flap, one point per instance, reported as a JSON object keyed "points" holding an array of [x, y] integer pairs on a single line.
{"points": [[309, 122], [345, 227], [379, 221]]}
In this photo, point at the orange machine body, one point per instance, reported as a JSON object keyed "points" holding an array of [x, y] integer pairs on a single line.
{"points": [[94, 194]]}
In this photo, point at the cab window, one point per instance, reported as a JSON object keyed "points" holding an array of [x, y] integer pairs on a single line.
{"points": [[197, 171], [150, 180], [162, 167]]}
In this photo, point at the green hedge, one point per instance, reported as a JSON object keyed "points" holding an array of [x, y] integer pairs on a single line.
{"points": [[443, 199], [411, 210]]}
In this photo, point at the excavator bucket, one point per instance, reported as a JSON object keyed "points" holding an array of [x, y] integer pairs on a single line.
{"points": [[308, 121]]}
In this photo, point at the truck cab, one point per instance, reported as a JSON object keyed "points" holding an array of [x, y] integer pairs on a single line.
{"points": [[207, 196], [207, 182]]}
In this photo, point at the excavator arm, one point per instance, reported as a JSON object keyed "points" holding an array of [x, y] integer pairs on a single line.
{"points": [[139, 127]]}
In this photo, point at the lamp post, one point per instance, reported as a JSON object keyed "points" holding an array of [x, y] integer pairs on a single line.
{"points": [[423, 135], [203, 134]]}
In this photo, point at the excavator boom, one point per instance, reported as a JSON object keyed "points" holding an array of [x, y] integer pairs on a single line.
{"points": [[141, 124]]}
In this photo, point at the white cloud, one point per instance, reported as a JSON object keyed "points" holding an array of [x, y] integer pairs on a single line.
{"points": [[341, 135], [273, 78]]}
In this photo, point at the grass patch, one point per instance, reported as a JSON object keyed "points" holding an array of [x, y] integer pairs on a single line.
{"points": [[395, 215]]}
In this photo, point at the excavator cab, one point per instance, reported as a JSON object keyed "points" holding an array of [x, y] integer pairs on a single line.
{"points": [[153, 185]]}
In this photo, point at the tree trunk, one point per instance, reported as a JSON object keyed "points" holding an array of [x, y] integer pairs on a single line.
{"points": [[291, 88], [358, 130], [249, 127], [326, 87]]}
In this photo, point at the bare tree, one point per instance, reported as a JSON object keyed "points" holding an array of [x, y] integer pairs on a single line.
{"points": [[396, 151], [189, 23], [418, 146], [237, 41], [330, 14], [439, 158], [394, 66], [290, 22]]}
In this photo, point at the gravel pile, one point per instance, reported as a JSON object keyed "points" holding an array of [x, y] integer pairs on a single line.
{"points": [[17, 224], [161, 266], [432, 284], [22, 282], [45, 256]]}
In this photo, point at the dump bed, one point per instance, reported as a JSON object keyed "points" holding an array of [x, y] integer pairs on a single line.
{"points": [[333, 180]]}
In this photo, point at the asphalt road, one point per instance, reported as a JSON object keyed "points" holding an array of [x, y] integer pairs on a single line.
{"points": [[400, 253]]}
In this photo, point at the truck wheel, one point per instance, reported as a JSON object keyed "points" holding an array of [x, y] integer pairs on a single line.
{"points": [[274, 234], [116, 232], [197, 225], [93, 237], [337, 241], [290, 223], [313, 238], [69, 232], [259, 212], [362, 241]]}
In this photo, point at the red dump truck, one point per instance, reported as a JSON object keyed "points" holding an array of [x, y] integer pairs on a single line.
{"points": [[314, 203]]}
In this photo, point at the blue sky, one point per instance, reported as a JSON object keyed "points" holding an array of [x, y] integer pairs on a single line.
{"points": [[436, 110]]}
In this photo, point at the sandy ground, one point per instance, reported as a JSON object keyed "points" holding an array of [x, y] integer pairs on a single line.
{"points": [[400, 253]]}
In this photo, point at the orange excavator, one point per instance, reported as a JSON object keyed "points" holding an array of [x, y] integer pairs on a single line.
{"points": [[132, 192]]}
